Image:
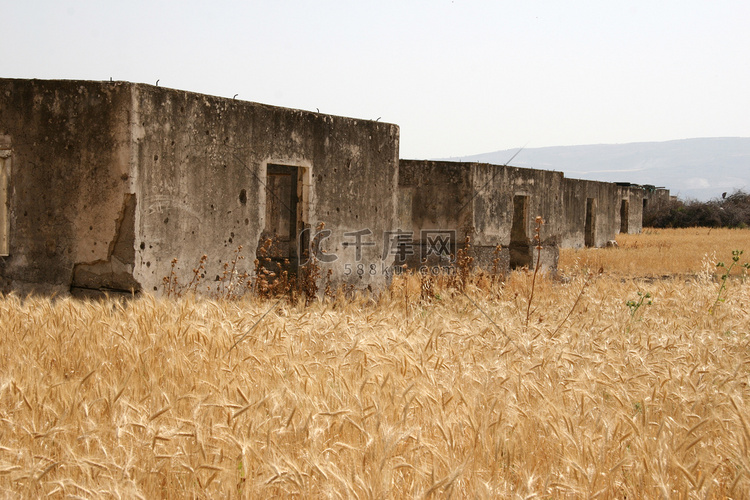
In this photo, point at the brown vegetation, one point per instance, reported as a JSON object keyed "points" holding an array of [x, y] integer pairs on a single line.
{"points": [[464, 394]]}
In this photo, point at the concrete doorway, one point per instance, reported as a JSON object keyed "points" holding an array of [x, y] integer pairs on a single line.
{"points": [[520, 248], [282, 224], [624, 216], [590, 228]]}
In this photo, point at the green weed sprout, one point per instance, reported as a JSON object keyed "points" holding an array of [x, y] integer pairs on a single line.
{"points": [[725, 276], [635, 305]]}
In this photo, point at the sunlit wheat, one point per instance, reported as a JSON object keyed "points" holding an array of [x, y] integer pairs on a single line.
{"points": [[463, 394]]}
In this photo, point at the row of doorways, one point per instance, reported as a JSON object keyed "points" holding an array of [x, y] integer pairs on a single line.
{"points": [[521, 246], [285, 224]]}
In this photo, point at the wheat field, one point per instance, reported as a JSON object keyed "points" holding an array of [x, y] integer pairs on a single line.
{"points": [[661, 252], [486, 393]]}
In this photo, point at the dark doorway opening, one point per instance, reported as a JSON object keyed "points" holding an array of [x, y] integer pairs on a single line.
{"points": [[624, 216], [590, 228], [277, 248], [520, 248]]}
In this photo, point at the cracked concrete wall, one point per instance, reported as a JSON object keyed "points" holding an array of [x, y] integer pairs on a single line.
{"points": [[116, 271], [69, 143]]}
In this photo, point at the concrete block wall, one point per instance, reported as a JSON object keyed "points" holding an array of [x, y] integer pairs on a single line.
{"points": [[203, 164], [70, 178], [111, 181], [478, 200]]}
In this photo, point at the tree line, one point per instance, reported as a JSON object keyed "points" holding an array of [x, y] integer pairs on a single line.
{"points": [[731, 211]]}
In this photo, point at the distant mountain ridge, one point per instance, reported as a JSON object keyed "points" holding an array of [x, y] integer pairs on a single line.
{"points": [[699, 169]]}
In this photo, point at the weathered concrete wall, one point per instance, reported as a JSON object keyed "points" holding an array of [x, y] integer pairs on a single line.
{"points": [[607, 203], [600, 201], [202, 165], [634, 196], [478, 200], [111, 181], [498, 188], [498, 205], [70, 177], [435, 201], [655, 197]]}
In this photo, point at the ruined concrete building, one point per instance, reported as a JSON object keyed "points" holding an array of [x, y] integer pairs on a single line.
{"points": [[104, 184]]}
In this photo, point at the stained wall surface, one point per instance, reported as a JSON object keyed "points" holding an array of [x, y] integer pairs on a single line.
{"points": [[203, 184], [601, 203], [69, 181], [499, 205], [112, 181], [435, 201], [117, 186], [508, 200], [477, 200]]}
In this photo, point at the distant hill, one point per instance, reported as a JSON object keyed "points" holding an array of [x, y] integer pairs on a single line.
{"points": [[699, 169]]}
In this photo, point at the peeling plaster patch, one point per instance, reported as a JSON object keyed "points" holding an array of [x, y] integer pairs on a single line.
{"points": [[116, 272]]}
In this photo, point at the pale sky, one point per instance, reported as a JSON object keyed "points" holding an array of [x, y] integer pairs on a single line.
{"points": [[459, 77]]}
